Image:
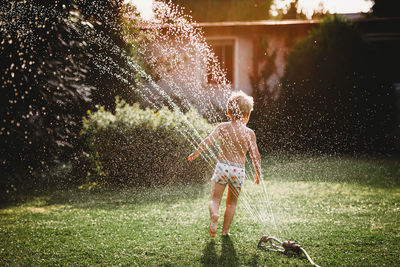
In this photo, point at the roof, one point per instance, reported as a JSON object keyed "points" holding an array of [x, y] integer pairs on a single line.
{"points": [[292, 21], [256, 23]]}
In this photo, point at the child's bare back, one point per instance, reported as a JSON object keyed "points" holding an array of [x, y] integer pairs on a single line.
{"points": [[235, 140]]}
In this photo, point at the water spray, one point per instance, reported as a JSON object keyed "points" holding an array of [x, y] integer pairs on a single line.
{"points": [[289, 248]]}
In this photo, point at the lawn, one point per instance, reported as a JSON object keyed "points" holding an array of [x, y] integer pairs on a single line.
{"points": [[343, 210]]}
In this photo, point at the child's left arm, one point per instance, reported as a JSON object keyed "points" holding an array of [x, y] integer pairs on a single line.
{"points": [[205, 143], [256, 158]]}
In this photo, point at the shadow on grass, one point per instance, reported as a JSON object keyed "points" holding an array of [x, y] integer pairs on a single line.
{"points": [[209, 257], [254, 260], [228, 254]]}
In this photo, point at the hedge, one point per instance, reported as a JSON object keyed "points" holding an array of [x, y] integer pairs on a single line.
{"points": [[136, 146]]}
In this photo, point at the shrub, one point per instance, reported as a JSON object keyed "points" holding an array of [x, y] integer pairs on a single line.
{"points": [[139, 147], [334, 97]]}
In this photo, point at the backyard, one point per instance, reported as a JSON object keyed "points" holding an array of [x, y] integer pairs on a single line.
{"points": [[102, 106], [342, 210]]}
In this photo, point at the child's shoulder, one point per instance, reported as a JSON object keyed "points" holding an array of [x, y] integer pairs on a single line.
{"points": [[250, 131]]}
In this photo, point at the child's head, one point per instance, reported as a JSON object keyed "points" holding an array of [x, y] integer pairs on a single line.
{"points": [[239, 105]]}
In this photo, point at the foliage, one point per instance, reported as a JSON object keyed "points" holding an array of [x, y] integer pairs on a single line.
{"points": [[226, 10], [264, 94], [113, 50], [333, 97], [43, 74], [339, 223], [144, 146], [266, 59], [55, 65], [320, 12], [293, 12]]}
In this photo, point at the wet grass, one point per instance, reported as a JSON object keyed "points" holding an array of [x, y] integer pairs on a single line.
{"points": [[343, 211]]}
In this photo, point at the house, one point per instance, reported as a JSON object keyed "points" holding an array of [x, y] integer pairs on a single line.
{"points": [[237, 45]]}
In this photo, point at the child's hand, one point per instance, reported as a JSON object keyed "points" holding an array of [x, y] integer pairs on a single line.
{"points": [[193, 156], [256, 179]]}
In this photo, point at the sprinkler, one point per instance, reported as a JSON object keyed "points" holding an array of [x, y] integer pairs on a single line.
{"points": [[288, 247]]}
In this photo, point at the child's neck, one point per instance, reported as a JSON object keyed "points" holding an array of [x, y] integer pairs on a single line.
{"points": [[237, 122]]}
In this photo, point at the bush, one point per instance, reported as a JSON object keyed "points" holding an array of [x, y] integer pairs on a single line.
{"points": [[139, 147], [334, 97]]}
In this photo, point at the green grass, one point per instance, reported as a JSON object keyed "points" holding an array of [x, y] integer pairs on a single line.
{"points": [[343, 211]]}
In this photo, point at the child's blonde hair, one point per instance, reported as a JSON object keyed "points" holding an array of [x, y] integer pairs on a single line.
{"points": [[239, 105]]}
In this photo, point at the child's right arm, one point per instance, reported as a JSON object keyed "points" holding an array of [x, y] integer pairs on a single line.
{"points": [[205, 143], [255, 157]]}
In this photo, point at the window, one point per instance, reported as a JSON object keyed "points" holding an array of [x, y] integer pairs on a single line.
{"points": [[224, 51]]}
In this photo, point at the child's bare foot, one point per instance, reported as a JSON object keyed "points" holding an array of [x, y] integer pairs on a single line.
{"points": [[213, 225], [225, 233]]}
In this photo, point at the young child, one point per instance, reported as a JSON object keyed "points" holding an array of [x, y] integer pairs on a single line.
{"points": [[235, 140]]}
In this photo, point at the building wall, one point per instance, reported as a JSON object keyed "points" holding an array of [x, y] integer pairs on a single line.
{"points": [[243, 64], [247, 61]]}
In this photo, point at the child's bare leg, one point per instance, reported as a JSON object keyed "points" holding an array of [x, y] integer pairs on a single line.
{"points": [[216, 195], [231, 200]]}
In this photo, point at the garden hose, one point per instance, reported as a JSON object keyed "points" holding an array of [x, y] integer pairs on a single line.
{"points": [[288, 247]]}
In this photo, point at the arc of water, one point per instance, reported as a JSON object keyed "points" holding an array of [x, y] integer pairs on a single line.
{"points": [[260, 215], [254, 212], [185, 134], [193, 140], [208, 156]]}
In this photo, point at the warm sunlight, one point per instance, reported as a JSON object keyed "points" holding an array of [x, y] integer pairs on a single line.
{"points": [[199, 133], [333, 6], [307, 6], [144, 7]]}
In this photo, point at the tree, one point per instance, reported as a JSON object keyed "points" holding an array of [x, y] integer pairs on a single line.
{"points": [[290, 11], [226, 10], [333, 96], [59, 59], [320, 12], [293, 11]]}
